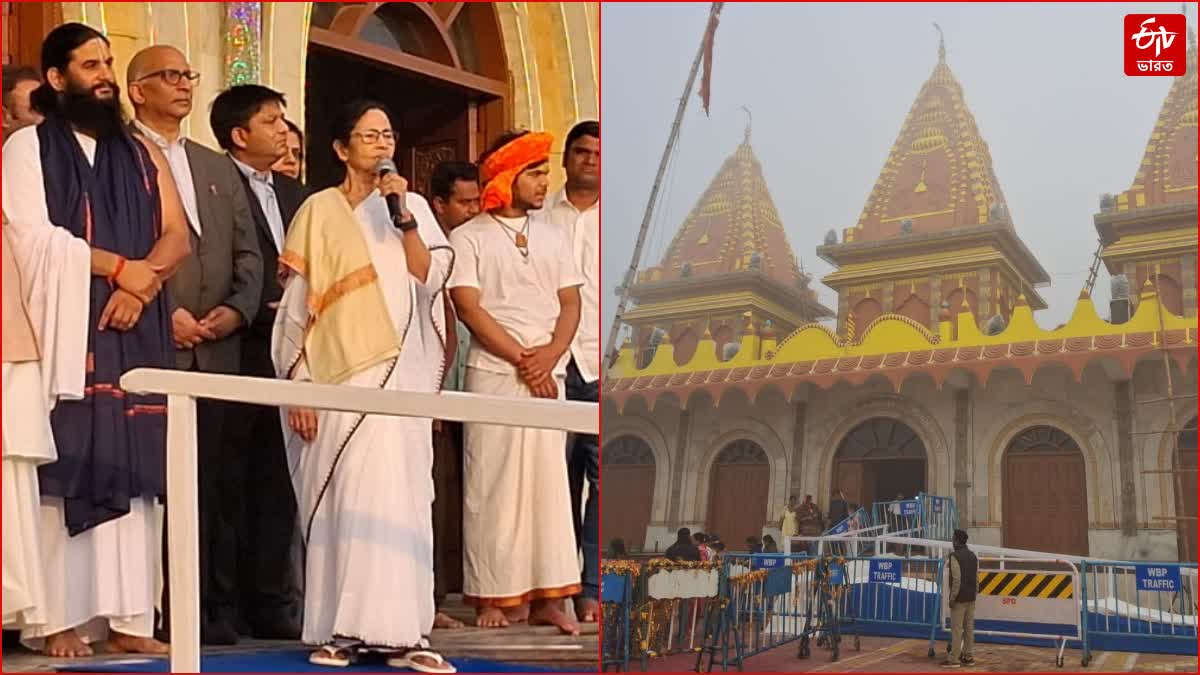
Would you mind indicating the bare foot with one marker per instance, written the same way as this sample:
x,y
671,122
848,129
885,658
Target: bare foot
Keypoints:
x,y
549,613
587,610
131,644
66,645
443,621
518,614
490,617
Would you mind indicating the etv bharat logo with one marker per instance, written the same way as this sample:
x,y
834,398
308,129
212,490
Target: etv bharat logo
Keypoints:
x,y
1154,44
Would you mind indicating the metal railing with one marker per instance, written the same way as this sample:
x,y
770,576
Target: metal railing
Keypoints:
x,y
1131,606
772,600
616,598
183,388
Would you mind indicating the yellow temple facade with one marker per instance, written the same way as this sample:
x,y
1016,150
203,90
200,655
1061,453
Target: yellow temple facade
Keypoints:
x,y
937,377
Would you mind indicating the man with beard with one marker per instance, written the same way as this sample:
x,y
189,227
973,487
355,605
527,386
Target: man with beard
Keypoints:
x,y
454,198
80,170
248,123
576,209
516,285
214,295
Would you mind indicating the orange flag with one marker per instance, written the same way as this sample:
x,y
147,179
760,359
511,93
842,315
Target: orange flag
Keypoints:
x,y
706,80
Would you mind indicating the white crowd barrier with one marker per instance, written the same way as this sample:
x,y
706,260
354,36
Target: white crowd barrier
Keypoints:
x,y
183,388
1046,600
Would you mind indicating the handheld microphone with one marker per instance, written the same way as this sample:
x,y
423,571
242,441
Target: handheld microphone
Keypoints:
x,y
383,167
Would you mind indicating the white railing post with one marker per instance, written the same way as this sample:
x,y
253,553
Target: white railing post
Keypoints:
x,y
183,534
183,504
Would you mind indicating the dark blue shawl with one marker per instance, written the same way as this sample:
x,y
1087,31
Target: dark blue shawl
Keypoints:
x,y
111,444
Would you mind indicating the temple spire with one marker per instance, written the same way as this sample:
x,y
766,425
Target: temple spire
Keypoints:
x,y
733,227
941,43
749,122
1191,32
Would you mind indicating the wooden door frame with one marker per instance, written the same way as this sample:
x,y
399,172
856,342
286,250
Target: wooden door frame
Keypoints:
x,y
34,20
490,110
415,65
837,462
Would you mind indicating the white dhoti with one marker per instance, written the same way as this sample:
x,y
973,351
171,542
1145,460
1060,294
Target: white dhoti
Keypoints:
x,y
518,540
101,579
27,444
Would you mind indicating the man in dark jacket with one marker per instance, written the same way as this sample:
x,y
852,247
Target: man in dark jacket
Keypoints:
x,y
964,568
683,548
248,122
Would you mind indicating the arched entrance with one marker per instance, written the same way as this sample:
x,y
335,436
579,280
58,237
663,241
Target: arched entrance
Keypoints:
x,y
439,67
1045,493
627,473
1185,501
737,495
879,460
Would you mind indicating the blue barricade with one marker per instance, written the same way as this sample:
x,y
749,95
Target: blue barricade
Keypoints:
x,y
775,599
1138,607
616,598
939,517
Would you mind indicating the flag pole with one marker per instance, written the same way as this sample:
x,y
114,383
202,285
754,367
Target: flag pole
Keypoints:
x,y
610,349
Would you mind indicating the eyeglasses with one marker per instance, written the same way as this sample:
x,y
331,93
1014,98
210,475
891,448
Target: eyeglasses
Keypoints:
x,y
372,136
172,76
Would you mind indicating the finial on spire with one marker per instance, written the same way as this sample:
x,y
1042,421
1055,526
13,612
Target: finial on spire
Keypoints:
x,y
941,43
749,121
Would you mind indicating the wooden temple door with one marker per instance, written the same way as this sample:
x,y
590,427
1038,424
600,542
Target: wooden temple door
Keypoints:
x,y
627,473
1045,493
738,493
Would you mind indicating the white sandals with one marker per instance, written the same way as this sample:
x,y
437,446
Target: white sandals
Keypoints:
x,y
337,654
406,660
342,653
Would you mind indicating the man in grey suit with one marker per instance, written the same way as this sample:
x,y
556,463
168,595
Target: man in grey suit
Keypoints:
x,y
214,294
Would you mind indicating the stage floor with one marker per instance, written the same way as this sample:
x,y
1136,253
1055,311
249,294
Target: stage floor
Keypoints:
x,y
534,645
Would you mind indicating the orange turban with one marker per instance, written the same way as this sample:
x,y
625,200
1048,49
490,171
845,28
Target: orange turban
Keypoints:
x,y
504,165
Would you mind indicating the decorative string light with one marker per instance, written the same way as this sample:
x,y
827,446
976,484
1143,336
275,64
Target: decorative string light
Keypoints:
x,y
243,42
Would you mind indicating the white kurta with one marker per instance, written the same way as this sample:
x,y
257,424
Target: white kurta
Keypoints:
x,y
518,539
369,531
104,578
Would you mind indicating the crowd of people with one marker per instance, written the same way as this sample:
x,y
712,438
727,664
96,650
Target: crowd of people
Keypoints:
x,y
128,244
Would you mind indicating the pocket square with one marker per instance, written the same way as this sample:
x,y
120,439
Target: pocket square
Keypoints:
x,y
212,189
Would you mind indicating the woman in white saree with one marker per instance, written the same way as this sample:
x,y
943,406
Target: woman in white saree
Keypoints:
x,y
363,306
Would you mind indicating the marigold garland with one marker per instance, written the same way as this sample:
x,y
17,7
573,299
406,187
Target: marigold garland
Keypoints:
x,y
657,564
630,567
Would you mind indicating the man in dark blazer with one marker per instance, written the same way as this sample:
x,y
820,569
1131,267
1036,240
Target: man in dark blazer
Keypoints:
x,y
249,123
214,294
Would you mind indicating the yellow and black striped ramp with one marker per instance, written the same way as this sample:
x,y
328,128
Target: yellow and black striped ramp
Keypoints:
x,y
1026,585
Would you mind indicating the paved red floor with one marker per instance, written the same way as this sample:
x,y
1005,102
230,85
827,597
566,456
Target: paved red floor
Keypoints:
x,y
892,655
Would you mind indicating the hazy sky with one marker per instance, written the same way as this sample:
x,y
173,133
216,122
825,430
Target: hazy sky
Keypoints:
x,y
829,86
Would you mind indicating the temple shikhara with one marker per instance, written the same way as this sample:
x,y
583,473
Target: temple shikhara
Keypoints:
x,y
730,395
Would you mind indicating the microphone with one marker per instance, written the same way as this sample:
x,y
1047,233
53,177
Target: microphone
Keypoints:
x,y
383,167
